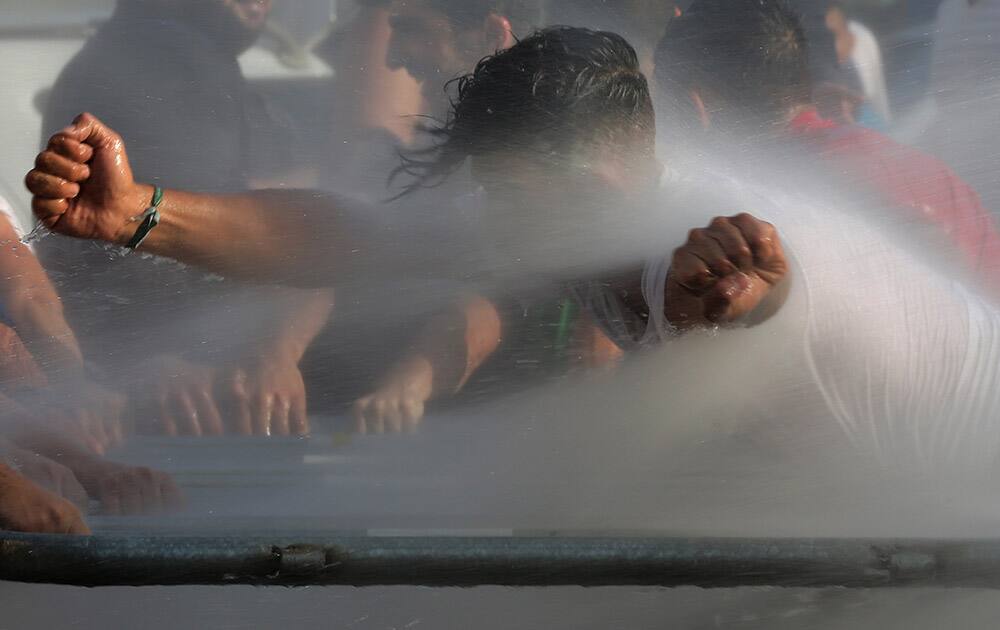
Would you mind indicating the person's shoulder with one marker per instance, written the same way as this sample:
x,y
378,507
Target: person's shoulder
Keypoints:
x,y
861,31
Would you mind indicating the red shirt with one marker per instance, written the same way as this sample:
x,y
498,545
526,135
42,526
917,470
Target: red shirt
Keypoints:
x,y
913,181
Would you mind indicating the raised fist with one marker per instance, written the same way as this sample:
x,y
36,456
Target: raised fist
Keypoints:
x,y
83,185
724,272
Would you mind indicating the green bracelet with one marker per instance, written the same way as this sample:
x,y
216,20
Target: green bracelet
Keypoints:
x,y
150,218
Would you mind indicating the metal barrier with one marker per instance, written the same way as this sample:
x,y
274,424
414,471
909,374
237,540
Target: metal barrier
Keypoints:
x,y
510,561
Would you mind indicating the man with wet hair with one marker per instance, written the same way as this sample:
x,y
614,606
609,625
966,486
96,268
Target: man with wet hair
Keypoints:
x,y
165,73
558,129
739,70
561,121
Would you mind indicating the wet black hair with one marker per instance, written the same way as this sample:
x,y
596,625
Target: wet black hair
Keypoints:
x,y
751,54
549,95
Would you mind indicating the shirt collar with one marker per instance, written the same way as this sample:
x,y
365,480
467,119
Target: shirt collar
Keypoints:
x,y
810,120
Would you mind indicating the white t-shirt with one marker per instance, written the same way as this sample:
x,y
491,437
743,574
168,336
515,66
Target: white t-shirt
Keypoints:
x,y
876,341
867,59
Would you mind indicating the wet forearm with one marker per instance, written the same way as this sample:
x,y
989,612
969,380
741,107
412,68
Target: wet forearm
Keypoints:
x,y
300,319
34,309
43,330
290,237
457,342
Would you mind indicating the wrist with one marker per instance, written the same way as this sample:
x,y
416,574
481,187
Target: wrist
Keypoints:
x,y
133,204
281,353
416,373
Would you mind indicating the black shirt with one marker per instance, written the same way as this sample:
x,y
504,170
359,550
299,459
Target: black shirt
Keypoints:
x,y
189,121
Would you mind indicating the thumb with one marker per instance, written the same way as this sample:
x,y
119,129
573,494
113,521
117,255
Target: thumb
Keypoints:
x,y
732,297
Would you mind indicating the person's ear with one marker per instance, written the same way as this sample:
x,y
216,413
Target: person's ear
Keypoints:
x,y
497,33
699,105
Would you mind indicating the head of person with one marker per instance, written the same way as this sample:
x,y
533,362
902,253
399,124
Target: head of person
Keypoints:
x,y
734,63
438,40
565,106
548,127
836,19
233,24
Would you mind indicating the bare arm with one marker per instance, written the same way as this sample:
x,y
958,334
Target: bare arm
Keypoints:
x,y
34,308
291,237
446,353
83,187
302,317
264,389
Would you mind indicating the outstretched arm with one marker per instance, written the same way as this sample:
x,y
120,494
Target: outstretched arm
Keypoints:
x,y
83,187
34,308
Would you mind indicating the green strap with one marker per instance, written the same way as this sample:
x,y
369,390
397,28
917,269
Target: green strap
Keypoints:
x,y
149,219
568,308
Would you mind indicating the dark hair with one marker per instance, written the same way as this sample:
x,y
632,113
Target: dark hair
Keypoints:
x,y
523,15
749,53
550,94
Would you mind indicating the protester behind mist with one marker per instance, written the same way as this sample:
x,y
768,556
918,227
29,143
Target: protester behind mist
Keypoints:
x,y
765,100
166,73
859,54
424,44
374,108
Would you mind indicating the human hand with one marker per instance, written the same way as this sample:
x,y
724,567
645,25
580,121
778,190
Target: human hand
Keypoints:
x,y
723,272
125,489
50,475
26,507
265,395
82,184
398,403
85,411
180,399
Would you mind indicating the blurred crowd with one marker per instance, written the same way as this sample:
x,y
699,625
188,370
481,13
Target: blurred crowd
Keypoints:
x,y
206,276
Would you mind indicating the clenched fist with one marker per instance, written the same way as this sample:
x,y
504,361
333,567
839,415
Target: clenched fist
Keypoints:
x,y
83,185
724,272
